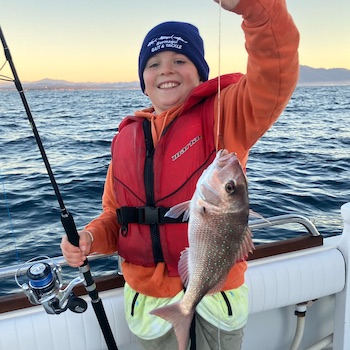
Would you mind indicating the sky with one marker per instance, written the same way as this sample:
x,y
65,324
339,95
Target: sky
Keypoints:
x,y
99,40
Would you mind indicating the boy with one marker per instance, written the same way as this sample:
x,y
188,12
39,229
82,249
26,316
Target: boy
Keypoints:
x,y
160,152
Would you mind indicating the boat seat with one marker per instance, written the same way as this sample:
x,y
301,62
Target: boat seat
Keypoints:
x,y
293,278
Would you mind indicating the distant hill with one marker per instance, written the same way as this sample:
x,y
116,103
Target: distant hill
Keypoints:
x,y
63,84
322,76
308,76
51,84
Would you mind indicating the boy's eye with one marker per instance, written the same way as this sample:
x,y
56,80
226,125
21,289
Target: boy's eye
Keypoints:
x,y
153,65
179,61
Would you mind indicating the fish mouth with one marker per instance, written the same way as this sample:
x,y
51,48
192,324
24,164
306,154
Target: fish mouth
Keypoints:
x,y
224,157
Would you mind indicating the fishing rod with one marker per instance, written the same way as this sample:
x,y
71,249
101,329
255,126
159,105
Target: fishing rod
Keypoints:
x,y
45,284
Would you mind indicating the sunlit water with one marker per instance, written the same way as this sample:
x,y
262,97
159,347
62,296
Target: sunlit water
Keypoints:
x,y
301,165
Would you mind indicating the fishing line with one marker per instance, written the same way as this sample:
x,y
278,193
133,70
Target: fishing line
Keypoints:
x,y
5,77
2,67
2,179
218,136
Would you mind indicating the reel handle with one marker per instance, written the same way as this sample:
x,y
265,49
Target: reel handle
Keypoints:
x,y
77,305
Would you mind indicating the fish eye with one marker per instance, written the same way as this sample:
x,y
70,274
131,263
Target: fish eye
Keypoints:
x,y
230,187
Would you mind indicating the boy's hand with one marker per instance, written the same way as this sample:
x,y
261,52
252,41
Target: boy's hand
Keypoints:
x,y
75,256
228,4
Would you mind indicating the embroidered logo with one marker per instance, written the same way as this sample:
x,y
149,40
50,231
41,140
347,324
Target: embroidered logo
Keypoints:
x,y
174,42
186,148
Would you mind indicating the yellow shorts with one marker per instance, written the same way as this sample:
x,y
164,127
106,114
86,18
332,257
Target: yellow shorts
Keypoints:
x,y
213,308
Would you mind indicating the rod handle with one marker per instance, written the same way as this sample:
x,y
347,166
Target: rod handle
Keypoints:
x,y
70,228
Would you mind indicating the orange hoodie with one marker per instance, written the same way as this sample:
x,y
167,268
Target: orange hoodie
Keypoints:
x,y
247,110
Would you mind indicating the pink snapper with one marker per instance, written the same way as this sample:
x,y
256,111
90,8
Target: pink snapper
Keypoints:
x,y
218,235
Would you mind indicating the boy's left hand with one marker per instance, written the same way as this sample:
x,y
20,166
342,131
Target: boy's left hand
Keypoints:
x,y
228,4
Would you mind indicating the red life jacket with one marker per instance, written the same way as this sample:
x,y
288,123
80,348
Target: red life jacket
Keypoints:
x,y
148,181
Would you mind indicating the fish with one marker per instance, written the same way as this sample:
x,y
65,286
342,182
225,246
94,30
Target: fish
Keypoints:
x,y
218,235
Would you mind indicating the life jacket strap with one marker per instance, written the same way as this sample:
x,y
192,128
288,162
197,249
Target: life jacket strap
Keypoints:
x,y
146,216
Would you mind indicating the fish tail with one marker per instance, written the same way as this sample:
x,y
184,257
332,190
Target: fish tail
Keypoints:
x,y
180,321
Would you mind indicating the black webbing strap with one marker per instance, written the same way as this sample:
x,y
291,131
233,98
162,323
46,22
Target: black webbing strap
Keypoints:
x,y
156,244
145,215
193,334
193,341
149,188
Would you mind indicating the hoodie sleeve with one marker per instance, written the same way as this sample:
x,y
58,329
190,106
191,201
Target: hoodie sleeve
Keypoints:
x,y
250,107
105,227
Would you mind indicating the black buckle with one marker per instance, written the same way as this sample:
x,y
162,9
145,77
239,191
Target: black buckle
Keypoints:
x,y
145,215
148,215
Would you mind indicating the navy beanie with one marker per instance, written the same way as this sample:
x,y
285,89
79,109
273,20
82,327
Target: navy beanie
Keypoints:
x,y
180,37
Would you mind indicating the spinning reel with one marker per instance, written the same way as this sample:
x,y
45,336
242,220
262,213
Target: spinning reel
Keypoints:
x,y
44,287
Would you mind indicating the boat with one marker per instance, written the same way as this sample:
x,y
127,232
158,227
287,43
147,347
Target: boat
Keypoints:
x,y
298,296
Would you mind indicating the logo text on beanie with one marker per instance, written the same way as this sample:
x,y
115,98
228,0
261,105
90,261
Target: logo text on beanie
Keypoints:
x,y
164,42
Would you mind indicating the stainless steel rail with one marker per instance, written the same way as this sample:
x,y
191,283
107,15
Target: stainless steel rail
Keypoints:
x,y
20,269
285,219
10,271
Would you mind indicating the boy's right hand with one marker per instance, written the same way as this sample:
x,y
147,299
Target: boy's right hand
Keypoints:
x,y
75,256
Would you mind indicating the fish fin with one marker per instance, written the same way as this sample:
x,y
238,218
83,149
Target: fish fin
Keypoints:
x,y
180,321
175,211
183,266
254,214
247,246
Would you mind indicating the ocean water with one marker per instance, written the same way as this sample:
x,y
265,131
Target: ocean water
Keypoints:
x,y
301,165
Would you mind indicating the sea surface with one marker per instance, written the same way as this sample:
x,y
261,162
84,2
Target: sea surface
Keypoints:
x,y
301,165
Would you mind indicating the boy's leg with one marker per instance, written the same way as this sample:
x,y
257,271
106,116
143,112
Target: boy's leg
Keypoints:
x,y
166,342
208,337
211,338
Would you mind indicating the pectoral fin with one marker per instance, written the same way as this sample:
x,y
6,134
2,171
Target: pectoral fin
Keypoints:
x,y
175,211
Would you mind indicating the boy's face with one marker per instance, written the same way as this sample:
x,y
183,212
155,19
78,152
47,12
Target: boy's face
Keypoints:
x,y
169,79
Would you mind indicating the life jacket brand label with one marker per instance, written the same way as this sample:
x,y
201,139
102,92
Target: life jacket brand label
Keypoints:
x,y
186,148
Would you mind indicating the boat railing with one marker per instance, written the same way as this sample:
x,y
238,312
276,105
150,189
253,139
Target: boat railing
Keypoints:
x,y
285,219
10,271
113,280
21,269
311,239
